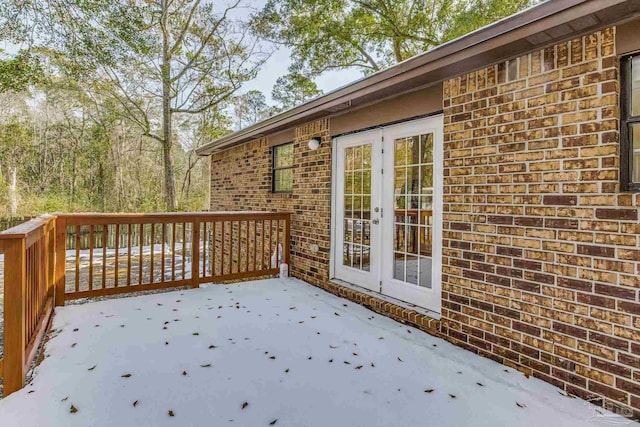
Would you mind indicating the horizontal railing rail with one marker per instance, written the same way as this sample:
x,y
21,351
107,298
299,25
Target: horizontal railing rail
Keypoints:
x,y
11,221
53,259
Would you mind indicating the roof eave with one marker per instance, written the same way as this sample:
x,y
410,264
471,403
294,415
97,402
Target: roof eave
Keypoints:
x,y
538,19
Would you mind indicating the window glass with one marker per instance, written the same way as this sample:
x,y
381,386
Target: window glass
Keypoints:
x,y
635,150
635,87
630,124
357,207
282,177
283,156
413,192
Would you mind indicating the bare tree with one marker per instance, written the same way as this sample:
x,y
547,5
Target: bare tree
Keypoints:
x,y
161,59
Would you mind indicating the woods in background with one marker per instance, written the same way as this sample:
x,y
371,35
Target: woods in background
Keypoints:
x,y
60,151
103,102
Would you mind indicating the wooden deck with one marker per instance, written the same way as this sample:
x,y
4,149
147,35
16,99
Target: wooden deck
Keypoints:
x,y
53,259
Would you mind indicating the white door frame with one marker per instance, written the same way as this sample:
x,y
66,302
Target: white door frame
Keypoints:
x,y
429,298
367,279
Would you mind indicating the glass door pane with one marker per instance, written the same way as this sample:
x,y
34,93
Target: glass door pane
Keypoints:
x,y
413,209
357,207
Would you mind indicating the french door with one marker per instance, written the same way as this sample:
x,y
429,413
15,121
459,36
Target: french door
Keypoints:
x,y
388,211
357,204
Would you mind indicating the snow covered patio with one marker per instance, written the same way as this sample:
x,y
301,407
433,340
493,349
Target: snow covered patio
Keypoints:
x,y
269,352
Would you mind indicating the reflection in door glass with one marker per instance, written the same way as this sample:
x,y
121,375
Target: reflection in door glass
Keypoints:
x,y
413,209
357,207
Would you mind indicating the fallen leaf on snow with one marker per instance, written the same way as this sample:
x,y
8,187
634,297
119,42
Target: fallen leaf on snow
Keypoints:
x,y
171,414
73,409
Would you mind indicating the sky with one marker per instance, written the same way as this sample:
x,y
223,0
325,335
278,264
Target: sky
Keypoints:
x,y
275,67
278,64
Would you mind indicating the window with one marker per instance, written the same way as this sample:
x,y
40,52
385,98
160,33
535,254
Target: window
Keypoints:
x,y
630,124
282,177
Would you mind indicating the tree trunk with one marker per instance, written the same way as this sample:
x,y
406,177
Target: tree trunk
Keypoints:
x,y
397,49
167,136
13,191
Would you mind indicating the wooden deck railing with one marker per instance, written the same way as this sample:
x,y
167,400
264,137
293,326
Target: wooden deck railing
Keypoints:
x,y
29,260
52,259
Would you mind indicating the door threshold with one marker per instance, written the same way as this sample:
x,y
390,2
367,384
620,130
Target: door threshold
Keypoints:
x,y
386,298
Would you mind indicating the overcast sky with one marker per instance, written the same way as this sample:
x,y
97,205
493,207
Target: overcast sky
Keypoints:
x,y
276,66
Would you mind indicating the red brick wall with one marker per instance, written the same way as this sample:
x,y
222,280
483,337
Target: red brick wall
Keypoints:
x,y
541,257
541,250
241,180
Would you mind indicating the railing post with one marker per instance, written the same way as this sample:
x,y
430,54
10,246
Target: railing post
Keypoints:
x,y
49,256
195,254
15,268
286,244
60,260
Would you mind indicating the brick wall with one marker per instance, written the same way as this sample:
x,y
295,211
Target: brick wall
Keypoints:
x,y
541,251
541,255
241,180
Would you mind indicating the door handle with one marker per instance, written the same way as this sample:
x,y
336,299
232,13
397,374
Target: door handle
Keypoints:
x,y
375,221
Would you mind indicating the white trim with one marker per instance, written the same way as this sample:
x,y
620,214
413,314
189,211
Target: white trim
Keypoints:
x,y
368,279
334,168
429,299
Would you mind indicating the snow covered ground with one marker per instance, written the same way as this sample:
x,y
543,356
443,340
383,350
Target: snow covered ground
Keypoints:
x,y
271,352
